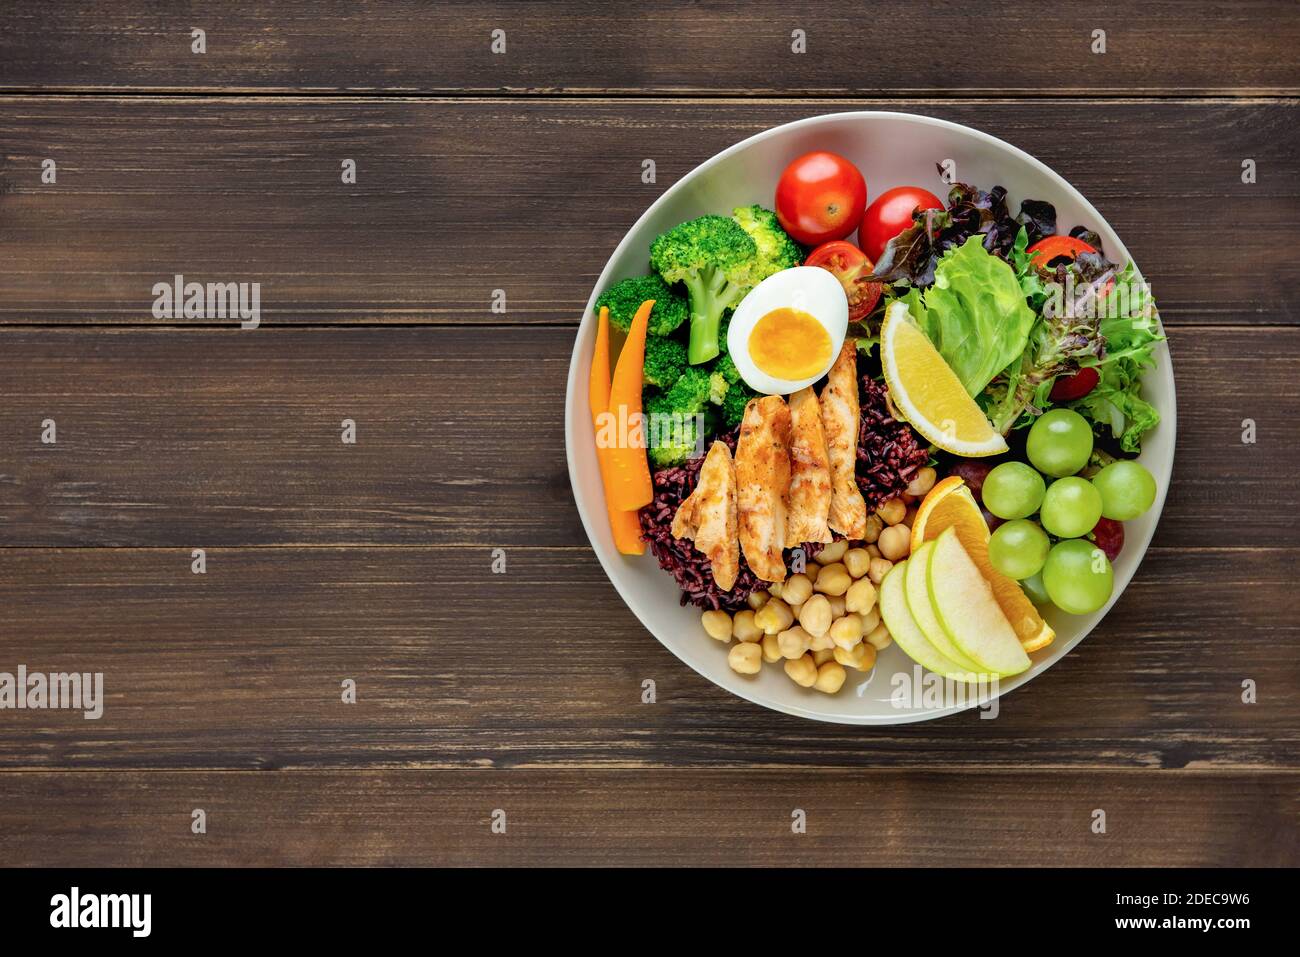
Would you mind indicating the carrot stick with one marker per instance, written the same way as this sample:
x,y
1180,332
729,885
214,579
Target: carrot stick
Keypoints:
x,y
631,471
624,524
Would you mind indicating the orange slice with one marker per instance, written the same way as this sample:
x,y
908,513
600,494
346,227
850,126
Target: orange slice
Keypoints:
x,y
950,504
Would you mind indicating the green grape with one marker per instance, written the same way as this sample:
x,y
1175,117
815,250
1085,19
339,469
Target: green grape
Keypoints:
x,y
1013,490
1071,507
1036,590
1059,443
1127,490
1018,548
1077,576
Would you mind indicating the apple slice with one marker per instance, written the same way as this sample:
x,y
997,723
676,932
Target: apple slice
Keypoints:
x,y
922,609
964,604
908,635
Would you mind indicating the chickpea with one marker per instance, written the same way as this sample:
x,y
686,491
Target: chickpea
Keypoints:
x,y
910,518
830,677
879,637
922,482
771,649
823,643
856,657
743,627
793,642
834,580
815,615
832,553
861,596
870,619
879,569
717,624
774,589
823,655
895,542
756,600
811,572
747,659
874,528
774,617
892,512
796,590
856,561
802,671
847,631
794,610
837,606
873,549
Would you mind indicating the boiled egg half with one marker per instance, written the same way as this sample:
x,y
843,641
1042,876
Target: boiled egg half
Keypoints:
x,y
786,333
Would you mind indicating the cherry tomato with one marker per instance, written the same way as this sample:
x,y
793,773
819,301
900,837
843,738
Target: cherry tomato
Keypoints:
x,y
889,214
820,197
1049,248
847,263
1075,386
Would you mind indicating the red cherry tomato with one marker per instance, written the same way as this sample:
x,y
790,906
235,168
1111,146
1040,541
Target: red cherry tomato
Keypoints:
x,y
889,214
1048,248
1075,386
820,197
847,263
1109,536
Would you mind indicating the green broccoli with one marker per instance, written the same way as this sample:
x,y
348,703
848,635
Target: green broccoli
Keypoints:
x,y
718,386
776,250
733,405
665,361
689,393
726,367
715,258
673,435
625,298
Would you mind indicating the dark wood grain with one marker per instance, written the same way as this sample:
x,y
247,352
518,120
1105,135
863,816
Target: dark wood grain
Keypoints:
x,y
458,667
188,437
404,46
660,818
457,198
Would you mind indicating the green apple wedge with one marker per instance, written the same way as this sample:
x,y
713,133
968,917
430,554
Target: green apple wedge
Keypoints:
x,y
964,604
922,609
908,635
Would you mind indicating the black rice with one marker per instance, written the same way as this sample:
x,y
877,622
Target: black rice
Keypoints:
x,y
888,451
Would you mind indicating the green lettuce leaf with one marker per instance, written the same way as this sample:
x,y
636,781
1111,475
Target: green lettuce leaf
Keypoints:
x,y
975,314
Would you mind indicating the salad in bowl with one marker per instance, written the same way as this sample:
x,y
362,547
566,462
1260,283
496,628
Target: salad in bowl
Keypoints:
x,y
882,435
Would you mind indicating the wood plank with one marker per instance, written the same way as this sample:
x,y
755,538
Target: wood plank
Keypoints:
x,y
593,817
888,46
205,437
456,199
457,667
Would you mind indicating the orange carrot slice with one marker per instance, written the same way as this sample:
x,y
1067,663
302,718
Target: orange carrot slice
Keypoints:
x,y
624,524
630,468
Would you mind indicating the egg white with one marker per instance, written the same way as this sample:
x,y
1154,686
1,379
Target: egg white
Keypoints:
x,y
809,289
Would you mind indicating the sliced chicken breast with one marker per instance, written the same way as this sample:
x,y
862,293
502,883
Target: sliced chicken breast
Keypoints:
x,y
841,421
708,516
809,500
762,482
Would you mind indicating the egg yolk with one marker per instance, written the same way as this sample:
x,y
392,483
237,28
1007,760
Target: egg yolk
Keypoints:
x,y
789,344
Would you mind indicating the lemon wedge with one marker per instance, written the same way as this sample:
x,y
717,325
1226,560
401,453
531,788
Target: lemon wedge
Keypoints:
x,y
928,393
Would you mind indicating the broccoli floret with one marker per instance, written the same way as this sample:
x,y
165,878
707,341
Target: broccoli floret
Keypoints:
x,y
689,393
625,298
776,250
665,361
726,367
733,406
673,435
718,386
715,258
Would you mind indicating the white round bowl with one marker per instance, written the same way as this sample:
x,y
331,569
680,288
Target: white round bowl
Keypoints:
x,y
891,149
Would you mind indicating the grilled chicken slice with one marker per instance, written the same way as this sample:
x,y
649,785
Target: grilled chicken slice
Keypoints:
x,y
708,516
809,501
762,482
841,422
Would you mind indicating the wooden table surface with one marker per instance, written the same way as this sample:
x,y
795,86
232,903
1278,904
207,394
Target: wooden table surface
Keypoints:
x,y
520,693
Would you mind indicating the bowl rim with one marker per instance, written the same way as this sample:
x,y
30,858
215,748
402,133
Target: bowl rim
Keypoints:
x,y
1168,418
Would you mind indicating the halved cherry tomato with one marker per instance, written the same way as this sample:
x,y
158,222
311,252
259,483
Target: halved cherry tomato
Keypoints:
x,y
846,262
1075,386
820,197
889,214
1049,248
